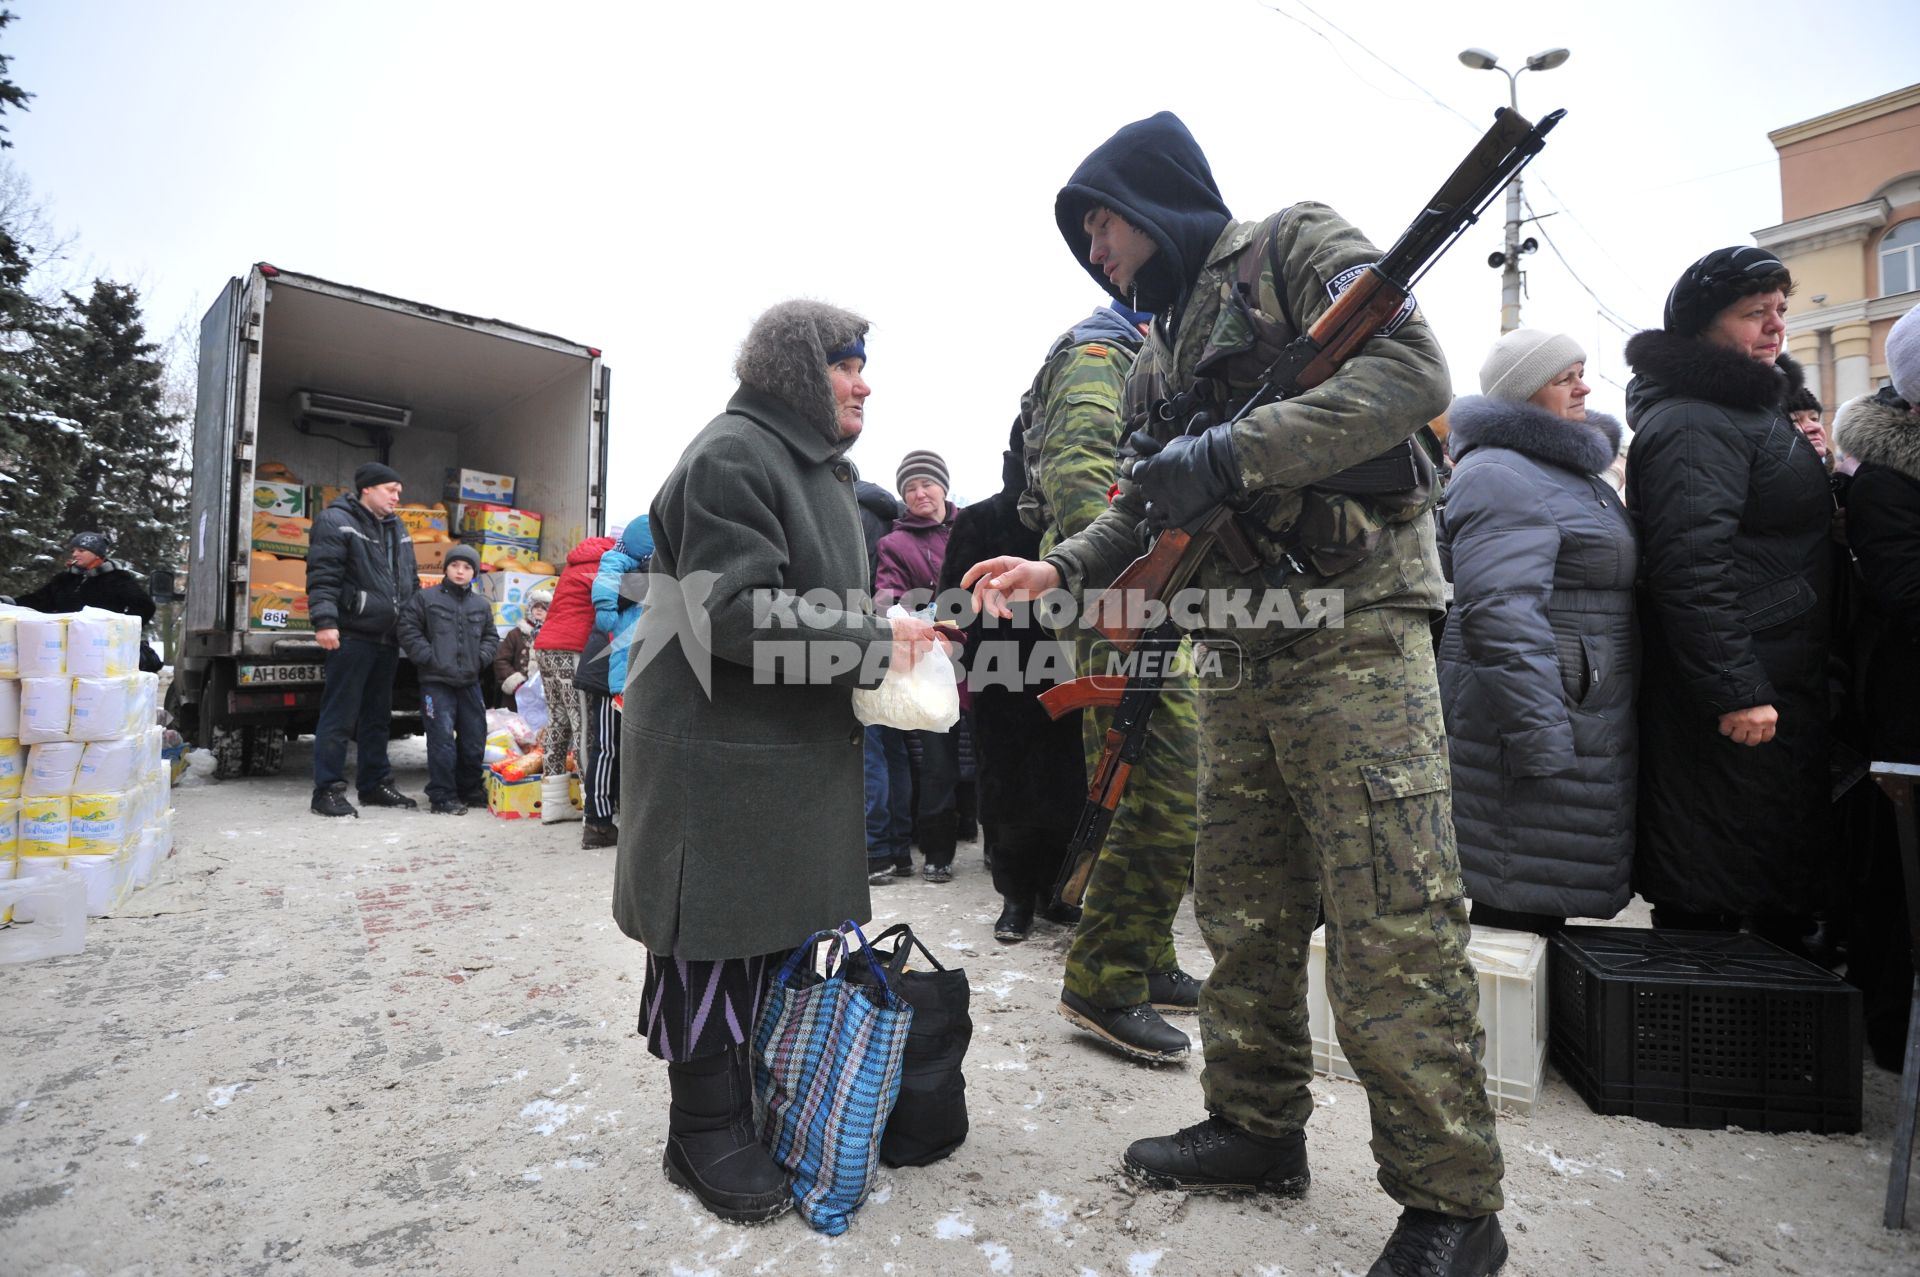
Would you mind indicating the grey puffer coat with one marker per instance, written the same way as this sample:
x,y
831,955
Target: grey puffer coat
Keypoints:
x,y
744,828
1539,661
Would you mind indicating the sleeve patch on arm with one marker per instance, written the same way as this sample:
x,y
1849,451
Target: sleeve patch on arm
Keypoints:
x,y
1344,280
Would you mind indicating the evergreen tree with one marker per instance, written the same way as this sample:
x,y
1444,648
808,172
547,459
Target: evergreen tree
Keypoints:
x,y
39,448
11,94
104,378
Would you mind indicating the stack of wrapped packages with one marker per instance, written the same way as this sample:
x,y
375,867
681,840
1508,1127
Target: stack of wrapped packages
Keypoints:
x,y
83,787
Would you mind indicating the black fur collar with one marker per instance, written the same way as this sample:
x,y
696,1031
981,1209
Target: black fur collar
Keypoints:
x,y
1879,432
1584,447
1697,369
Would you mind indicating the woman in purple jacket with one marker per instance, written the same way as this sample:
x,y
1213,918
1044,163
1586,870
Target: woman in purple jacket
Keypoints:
x,y
908,573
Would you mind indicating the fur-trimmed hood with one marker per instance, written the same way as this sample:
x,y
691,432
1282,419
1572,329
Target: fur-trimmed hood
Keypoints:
x,y
1874,431
1666,366
785,357
1584,447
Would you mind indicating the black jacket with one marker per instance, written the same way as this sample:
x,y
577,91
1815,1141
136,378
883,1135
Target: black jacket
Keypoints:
x,y
103,586
878,509
1732,508
1883,530
447,632
1538,664
360,571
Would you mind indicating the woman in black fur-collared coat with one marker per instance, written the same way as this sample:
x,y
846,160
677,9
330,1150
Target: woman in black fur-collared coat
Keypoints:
x,y
1732,509
1538,663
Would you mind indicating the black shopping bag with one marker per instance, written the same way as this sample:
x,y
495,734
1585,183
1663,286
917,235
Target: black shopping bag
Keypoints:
x,y
929,1120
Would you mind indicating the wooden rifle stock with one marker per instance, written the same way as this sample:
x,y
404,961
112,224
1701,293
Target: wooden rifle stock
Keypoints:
x,y
1365,308
1095,691
1125,610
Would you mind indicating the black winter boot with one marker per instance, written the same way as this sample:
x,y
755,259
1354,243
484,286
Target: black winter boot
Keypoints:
x,y
938,837
711,1148
1215,1156
1428,1244
332,801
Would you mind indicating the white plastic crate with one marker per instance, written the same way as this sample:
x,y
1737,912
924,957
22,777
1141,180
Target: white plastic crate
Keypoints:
x,y
1512,966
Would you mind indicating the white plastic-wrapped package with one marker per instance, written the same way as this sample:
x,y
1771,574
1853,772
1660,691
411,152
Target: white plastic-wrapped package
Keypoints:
x,y
101,824
9,707
46,709
109,765
9,642
143,707
9,830
153,764
42,642
925,698
44,823
51,768
13,767
100,708
102,644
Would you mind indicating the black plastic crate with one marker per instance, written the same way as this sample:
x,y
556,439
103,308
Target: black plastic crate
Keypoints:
x,y
1688,1028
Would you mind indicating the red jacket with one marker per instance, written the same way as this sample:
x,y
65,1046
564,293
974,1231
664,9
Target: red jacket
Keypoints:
x,y
570,617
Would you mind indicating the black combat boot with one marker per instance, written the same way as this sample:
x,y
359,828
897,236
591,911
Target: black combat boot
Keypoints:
x,y
1137,1030
1015,920
1173,991
1427,1244
711,1148
594,836
452,807
332,801
385,795
1218,1157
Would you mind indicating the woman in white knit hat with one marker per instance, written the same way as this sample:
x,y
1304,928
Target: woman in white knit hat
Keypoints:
x,y
1537,665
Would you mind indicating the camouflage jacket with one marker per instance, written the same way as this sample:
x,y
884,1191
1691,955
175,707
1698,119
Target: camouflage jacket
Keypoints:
x,y
1070,426
1222,338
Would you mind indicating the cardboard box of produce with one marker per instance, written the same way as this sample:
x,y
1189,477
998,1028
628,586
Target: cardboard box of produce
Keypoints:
x,y
478,485
513,799
430,579
280,498
282,534
288,575
272,609
321,495
507,615
511,587
422,518
430,556
507,557
500,521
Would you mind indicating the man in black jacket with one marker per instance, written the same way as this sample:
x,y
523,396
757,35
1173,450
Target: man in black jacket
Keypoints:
x,y
360,571
448,634
91,580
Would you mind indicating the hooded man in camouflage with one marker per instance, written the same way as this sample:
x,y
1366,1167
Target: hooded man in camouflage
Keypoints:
x,y
1323,757
1121,972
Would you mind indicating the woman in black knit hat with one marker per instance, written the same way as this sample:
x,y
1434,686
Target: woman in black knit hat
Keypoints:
x,y
1731,506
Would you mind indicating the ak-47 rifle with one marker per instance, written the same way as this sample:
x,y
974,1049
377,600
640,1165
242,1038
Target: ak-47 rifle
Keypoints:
x,y
1367,306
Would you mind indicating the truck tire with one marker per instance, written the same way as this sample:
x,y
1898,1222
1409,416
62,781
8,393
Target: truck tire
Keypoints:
x,y
229,746
269,746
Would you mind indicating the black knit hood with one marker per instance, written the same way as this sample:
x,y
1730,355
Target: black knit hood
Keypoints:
x,y
1584,447
1154,175
1666,365
785,357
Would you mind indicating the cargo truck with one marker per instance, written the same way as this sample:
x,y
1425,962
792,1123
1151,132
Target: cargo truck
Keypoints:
x,y
301,380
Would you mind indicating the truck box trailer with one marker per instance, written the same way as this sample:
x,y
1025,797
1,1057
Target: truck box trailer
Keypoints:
x,y
308,378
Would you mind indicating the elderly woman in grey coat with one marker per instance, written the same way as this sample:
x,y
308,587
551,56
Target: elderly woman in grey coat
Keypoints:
x,y
740,752
1537,666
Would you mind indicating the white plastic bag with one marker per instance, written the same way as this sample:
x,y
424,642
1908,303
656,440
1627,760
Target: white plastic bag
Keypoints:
x,y
925,698
531,700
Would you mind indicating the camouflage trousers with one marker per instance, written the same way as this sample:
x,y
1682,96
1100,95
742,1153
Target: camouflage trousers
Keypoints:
x,y
1126,923
1323,781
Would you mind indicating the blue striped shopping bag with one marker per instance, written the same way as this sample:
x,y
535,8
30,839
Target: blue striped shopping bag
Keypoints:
x,y
827,1062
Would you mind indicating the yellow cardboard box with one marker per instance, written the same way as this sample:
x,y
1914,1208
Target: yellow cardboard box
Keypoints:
x,y
282,534
500,521
288,575
269,608
513,799
478,485
280,498
422,518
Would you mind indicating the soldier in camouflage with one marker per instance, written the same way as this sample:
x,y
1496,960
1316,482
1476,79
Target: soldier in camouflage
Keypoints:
x,y
1323,776
1122,972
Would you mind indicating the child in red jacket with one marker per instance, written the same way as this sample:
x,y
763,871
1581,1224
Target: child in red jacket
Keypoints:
x,y
556,649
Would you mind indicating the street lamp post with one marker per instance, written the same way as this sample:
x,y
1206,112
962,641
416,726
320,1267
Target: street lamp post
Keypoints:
x,y
1509,260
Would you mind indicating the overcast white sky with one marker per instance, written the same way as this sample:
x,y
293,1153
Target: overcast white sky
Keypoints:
x,y
646,179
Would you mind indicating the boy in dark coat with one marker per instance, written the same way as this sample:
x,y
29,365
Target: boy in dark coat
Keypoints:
x,y
448,634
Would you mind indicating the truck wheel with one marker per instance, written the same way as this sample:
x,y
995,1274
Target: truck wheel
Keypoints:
x,y
269,748
229,753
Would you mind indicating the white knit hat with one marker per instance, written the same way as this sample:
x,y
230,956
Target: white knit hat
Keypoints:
x,y
1903,356
1525,360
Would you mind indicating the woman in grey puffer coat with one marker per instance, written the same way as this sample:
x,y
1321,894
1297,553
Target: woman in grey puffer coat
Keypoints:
x,y
1538,663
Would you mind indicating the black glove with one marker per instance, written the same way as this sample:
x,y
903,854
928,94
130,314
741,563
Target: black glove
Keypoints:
x,y
1187,477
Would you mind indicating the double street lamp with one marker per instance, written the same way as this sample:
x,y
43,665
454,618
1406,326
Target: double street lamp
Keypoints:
x,y
1508,261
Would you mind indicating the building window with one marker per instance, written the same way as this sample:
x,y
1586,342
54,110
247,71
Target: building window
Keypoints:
x,y
1900,259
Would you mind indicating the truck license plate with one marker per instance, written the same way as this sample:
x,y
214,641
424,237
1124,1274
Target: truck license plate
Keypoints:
x,y
250,674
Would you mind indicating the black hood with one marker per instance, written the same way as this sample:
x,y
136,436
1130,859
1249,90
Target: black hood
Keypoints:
x,y
1153,174
877,499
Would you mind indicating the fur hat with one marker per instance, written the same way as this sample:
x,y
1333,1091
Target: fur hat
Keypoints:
x,y
1903,356
1524,360
785,357
920,464
464,554
1716,282
1802,400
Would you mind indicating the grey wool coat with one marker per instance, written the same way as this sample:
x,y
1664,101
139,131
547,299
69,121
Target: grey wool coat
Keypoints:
x,y
743,822
1538,663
